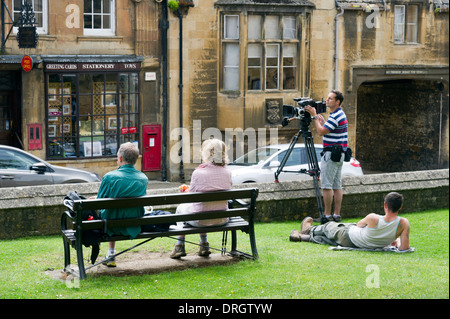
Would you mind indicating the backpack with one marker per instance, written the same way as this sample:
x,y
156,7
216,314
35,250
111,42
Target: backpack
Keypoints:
x,y
89,237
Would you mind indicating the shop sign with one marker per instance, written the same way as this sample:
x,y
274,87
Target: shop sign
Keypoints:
x,y
100,66
27,63
403,72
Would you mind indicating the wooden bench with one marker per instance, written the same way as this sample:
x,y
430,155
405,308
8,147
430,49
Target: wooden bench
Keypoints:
x,y
240,218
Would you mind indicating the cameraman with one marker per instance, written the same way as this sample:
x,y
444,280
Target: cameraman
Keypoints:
x,y
334,132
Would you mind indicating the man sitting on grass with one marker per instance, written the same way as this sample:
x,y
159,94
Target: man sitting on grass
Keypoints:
x,y
372,232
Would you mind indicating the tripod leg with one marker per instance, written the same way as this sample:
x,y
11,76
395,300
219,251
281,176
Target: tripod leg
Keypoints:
x,y
286,156
313,165
314,169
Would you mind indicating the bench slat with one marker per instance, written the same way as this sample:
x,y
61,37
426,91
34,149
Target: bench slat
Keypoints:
x,y
236,223
159,200
161,219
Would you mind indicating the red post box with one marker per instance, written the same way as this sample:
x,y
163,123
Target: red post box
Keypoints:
x,y
151,152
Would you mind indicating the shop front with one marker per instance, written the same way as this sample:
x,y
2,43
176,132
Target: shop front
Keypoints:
x,y
91,106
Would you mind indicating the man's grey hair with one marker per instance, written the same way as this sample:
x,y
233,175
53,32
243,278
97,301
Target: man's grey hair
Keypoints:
x,y
129,153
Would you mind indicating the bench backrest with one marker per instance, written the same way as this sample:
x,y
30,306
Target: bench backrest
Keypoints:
x,y
163,200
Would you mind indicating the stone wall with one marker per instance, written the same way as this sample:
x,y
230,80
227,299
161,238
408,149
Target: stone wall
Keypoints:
x,y
36,210
422,190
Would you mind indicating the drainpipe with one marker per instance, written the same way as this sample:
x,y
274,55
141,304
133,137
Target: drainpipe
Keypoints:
x,y
441,89
336,41
164,25
180,86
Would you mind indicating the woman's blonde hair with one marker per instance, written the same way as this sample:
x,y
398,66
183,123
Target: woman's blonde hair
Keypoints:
x,y
214,151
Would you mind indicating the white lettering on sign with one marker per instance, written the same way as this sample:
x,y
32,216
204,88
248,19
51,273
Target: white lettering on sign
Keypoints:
x,y
97,66
129,66
61,66
406,72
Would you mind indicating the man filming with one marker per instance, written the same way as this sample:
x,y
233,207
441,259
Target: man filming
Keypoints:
x,y
334,132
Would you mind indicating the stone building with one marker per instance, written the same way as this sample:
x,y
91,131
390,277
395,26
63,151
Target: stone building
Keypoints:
x,y
110,71
83,96
243,59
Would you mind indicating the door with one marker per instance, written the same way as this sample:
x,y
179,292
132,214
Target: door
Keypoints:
x,y
10,109
6,124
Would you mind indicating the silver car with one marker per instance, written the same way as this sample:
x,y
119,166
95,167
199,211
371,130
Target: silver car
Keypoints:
x,y
19,168
260,165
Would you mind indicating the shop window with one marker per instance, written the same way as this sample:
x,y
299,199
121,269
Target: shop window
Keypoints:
x,y
99,17
40,9
91,114
406,21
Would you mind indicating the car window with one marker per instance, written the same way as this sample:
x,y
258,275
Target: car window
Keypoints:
x,y
294,159
256,156
304,157
298,156
14,160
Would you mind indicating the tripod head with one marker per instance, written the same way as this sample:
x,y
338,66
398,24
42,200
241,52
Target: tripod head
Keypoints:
x,y
304,125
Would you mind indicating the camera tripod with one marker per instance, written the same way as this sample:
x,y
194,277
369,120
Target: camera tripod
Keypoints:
x,y
313,166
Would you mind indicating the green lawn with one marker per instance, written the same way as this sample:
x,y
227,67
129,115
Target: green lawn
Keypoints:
x,y
284,270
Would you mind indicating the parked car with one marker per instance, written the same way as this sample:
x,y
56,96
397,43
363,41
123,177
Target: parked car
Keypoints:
x,y
260,165
19,168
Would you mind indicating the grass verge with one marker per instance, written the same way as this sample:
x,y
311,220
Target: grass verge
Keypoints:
x,y
285,269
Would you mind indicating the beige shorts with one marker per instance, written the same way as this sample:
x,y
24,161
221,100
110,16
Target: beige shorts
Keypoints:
x,y
331,172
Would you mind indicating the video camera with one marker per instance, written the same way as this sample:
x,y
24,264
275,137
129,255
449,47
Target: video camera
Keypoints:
x,y
300,112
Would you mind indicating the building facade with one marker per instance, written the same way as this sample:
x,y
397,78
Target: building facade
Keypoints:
x,y
169,74
244,59
83,96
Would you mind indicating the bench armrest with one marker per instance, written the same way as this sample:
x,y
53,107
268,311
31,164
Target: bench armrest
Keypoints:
x,y
66,215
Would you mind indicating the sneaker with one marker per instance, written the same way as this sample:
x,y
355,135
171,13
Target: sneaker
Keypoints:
x,y
306,225
204,250
337,218
326,218
178,252
297,236
110,262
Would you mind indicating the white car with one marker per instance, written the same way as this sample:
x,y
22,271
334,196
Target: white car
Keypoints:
x,y
260,165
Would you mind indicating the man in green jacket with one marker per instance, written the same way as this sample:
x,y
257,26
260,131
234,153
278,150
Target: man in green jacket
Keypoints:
x,y
126,181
